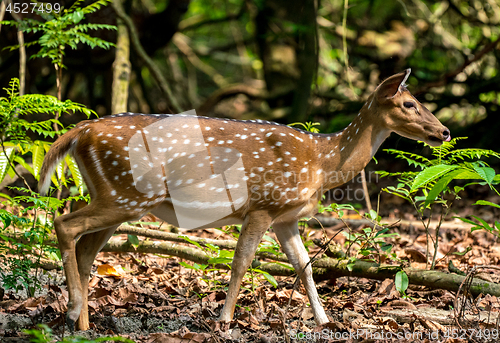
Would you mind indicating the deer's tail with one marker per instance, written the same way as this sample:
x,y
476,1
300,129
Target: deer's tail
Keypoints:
x,y
60,148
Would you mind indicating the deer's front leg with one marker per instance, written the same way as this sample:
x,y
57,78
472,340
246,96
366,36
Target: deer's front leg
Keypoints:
x,y
253,228
87,248
291,243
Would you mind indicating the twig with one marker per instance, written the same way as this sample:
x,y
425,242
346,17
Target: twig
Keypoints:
x,y
180,41
451,75
324,268
180,238
436,242
183,26
22,62
344,47
365,190
466,283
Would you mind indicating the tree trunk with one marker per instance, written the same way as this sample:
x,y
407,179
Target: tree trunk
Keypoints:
x,y
286,37
121,70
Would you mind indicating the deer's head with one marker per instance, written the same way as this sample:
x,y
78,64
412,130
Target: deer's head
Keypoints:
x,y
400,112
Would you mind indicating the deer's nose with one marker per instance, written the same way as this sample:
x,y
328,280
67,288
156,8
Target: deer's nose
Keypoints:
x,y
446,135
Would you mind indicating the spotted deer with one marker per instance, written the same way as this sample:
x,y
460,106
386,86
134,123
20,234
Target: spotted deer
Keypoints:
x,y
207,172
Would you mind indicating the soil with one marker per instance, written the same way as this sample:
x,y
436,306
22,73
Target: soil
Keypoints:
x,y
150,298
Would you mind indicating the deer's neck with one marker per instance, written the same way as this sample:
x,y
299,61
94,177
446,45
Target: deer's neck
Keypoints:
x,y
347,152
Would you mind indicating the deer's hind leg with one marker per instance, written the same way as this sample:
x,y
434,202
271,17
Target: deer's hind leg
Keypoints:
x,y
94,218
87,248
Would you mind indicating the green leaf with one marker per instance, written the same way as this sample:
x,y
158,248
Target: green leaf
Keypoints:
x,y
467,174
6,218
185,265
226,253
219,260
486,203
483,222
75,172
268,277
465,220
373,215
441,185
133,239
381,232
22,162
431,174
189,240
386,248
77,17
401,281
269,239
486,173
212,247
60,172
38,154
5,157
463,252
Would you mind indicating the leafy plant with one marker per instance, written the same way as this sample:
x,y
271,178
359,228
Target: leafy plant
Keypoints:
x,y
44,335
428,188
23,238
62,29
220,256
308,126
401,282
14,130
371,240
481,224
24,231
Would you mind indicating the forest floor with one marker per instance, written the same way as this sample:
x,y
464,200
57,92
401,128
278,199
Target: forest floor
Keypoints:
x,y
152,298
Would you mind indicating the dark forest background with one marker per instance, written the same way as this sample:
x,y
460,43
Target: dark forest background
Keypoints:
x,y
288,61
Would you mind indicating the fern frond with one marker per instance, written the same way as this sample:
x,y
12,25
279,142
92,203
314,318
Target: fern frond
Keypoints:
x,y
411,158
90,26
445,148
74,7
469,153
95,6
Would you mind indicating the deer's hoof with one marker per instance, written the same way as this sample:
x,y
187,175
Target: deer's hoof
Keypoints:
x,y
71,324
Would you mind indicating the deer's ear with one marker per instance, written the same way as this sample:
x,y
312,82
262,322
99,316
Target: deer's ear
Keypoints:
x,y
391,86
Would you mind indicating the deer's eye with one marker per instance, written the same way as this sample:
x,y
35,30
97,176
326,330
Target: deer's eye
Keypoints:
x,y
409,104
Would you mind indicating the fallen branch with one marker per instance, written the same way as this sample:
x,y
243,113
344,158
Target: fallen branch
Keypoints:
x,y
332,221
323,269
173,237
180,238
184,252
328,268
